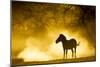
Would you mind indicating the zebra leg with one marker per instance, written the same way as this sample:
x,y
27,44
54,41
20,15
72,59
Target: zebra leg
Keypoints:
x,y
72,52
75,52
64,54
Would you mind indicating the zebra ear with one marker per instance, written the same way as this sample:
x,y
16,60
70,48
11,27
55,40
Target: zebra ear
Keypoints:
x,y
61,34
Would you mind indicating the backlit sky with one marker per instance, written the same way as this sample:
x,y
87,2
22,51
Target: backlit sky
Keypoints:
x,y
36,26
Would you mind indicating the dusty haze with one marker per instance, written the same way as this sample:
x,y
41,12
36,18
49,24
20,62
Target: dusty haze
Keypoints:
x,y
36,26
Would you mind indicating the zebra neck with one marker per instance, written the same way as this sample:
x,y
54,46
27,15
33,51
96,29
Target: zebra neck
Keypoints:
x,y
64,41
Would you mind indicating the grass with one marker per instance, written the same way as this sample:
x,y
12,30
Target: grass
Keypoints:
x,y
20,62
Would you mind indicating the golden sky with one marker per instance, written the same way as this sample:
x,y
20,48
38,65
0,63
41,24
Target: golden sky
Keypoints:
x,y
36,26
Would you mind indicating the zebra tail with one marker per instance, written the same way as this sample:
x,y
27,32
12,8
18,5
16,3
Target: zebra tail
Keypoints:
x,y
78,43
